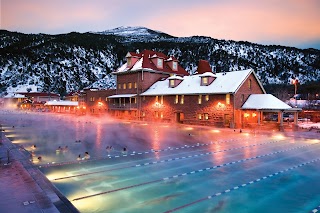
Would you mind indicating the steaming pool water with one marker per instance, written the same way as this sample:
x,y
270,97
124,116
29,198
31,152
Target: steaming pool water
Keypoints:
x,y
166,167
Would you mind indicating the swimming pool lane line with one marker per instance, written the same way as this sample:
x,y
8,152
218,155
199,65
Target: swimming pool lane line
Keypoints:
x,y
317,209
132,154
163,161
241,186
190,173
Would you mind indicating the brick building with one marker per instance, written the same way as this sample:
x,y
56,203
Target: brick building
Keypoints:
x,y
154,87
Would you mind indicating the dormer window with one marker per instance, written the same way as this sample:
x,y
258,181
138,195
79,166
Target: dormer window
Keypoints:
x,y
174,65
207,78
204,80
174,81
160,63
171,82
128,62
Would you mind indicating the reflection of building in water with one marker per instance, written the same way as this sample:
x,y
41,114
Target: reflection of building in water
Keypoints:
x,y
155,142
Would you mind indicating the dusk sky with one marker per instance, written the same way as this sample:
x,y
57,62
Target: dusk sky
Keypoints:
x,y
283,22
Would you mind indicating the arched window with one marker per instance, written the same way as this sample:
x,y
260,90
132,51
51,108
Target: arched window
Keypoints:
x,y
249,84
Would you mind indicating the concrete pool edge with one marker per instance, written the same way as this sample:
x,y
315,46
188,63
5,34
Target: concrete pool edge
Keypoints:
x,y
34,187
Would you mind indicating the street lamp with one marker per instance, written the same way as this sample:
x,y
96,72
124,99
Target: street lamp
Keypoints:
x,y
295,83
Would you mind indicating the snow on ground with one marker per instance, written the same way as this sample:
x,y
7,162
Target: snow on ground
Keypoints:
x,y
308,125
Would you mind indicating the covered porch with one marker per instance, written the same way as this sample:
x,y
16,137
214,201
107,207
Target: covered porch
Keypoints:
x,y
257,105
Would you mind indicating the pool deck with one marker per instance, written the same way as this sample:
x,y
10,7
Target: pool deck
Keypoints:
x,y
24,189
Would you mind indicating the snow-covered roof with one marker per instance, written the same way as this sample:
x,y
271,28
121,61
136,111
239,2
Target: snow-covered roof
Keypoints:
x,y
122,96
224,83
265,101
62,103
175,77
14,95
146,63
208,74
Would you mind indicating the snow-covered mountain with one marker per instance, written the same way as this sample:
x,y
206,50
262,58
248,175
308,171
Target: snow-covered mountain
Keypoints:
x,y
73,61
131,34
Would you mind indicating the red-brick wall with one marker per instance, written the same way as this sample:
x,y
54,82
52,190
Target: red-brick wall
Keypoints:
x,y
144,81
92,106
216,108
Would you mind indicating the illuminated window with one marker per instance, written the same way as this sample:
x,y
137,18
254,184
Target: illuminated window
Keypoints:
x,y
119,86
124,86
156,114
128,62
99,99
171,82
91,98
227,98
135,85
106,99
182,99
129,85
175,65
161,114
199,99
206,116
204,80
249,84
207,97
135,100
143,114
200,116
161,99
160,63
157,99
176,99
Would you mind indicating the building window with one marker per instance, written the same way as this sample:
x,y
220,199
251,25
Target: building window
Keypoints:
x,y
129,85
249,84
135,85
199,99
242,97
161,99
157,99
227,98
91,98
161,114
156,114
106,99
144,98
119,86
207,97
143,114
171,82
135,100
176,100
99,99
206,116
160,63
128,62
182,99
204,80
175,65
124,86
200,116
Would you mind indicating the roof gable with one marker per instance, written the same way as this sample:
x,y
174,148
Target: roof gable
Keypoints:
x,y
223,84
145,63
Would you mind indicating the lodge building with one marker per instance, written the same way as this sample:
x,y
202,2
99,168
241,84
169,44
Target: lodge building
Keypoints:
x,y
154,87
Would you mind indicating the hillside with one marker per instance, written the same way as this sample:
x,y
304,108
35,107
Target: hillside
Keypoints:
x,y
73,61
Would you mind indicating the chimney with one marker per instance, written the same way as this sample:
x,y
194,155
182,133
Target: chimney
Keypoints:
x,y
203,67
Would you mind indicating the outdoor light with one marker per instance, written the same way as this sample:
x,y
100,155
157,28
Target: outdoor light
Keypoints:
x,y
254,114
246,115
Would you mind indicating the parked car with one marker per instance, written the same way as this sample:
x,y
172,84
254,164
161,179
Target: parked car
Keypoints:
x,y
288,117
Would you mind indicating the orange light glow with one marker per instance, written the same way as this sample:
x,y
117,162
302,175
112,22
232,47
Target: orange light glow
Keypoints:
x,y
254,114
246,115
100,103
